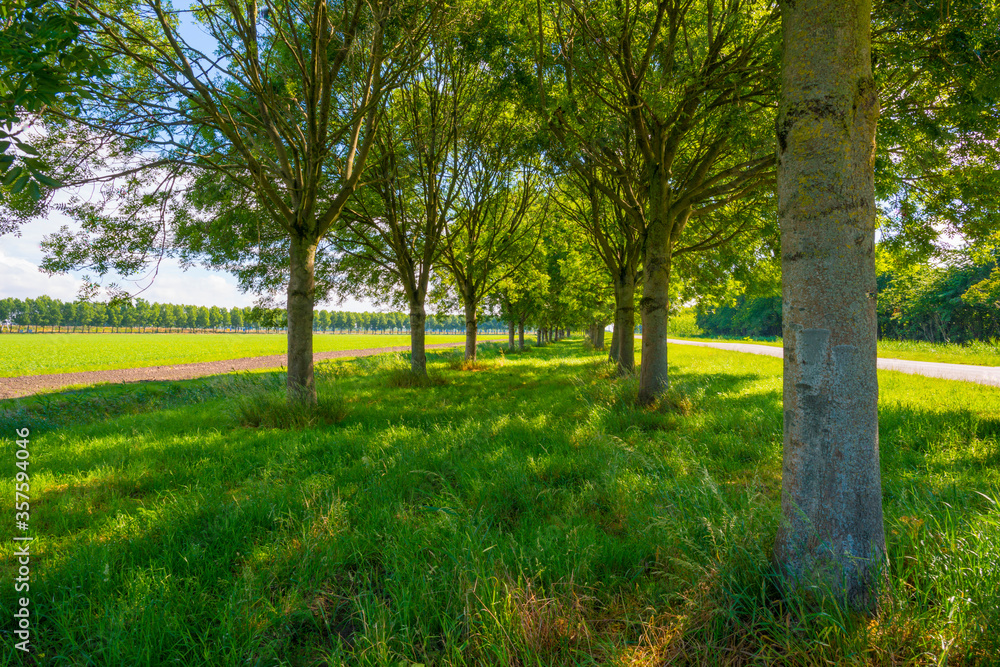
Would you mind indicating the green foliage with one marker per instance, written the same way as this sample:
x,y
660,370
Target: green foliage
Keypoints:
x,y
43,66
747,316
940,303
684,324
937,161
930,301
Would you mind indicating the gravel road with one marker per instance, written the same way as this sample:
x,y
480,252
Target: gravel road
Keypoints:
x,y
964,372
15,387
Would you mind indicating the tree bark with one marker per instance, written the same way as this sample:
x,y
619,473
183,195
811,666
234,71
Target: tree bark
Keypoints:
x,y
520,334
653,379
615,341
301,300
470,330
623,347
832,533
510,333
418,353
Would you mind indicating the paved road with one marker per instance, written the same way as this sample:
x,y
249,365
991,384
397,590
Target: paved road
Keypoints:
x,y
965,372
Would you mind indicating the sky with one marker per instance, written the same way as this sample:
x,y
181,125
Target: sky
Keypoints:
x,y
21,278
21,256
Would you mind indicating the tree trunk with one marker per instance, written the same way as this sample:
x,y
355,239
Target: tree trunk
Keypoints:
x,y
470,330
653,379
539,336
600,334
511,335
301,300
623,347
520,334
418,354
832,533
615,342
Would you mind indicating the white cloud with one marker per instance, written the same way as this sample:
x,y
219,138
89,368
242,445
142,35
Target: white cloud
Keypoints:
x,y
21,279
20,257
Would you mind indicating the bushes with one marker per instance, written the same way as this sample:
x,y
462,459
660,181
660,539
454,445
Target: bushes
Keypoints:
x,y
757,317
955,303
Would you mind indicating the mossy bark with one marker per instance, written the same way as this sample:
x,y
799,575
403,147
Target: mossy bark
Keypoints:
x,y
301,384
470,330
615,342
418,327
832,533
623,346
653,379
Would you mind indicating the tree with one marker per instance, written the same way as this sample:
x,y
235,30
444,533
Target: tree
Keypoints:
x,y
937,166
43,64
689,84
84,313
497,221
394,229
832,532
236,318
113,314
274,130
214,317
616,239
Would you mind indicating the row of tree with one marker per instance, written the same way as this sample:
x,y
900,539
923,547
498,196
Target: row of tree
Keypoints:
x,y
140,314
563,160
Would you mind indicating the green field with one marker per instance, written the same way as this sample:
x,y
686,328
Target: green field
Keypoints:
x,y
524,514
27,354
975,353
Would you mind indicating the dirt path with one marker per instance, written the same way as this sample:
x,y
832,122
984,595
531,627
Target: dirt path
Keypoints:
x,y
963,372
32,384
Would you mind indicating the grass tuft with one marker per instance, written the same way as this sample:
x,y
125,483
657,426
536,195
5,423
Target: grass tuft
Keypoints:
x,y
462,364
260,401
404,378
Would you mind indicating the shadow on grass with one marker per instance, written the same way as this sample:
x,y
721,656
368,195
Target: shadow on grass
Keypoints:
x,y
521,514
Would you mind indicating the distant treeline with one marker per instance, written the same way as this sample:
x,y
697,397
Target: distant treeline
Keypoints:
x,y
140,315
958,303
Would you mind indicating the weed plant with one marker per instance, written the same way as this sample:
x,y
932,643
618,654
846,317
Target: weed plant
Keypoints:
x,y
528,514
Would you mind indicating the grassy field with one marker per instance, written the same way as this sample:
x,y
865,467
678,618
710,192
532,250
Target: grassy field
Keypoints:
x,y
67,353
976,353
523,514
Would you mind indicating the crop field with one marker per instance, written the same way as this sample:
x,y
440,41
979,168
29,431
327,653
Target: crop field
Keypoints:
x,y
66,353
525,512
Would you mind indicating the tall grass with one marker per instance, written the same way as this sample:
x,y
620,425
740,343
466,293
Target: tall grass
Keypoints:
x,y
527,514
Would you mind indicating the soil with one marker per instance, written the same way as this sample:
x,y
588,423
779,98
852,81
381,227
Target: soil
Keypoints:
x,y
15,387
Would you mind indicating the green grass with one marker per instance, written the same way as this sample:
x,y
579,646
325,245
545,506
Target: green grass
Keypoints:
x,y
526,513
976,353
67,353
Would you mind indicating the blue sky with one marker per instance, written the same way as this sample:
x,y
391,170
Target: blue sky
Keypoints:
x,y
21,256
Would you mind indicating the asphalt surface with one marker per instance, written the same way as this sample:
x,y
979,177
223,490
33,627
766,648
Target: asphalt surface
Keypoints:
x,y
964,372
